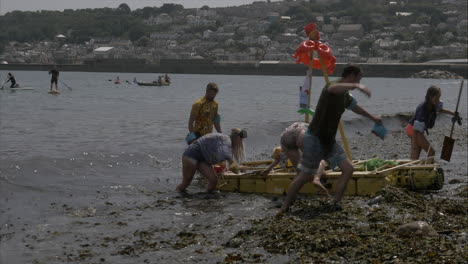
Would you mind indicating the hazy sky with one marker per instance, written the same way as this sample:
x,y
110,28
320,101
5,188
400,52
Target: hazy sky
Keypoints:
x,y
32,5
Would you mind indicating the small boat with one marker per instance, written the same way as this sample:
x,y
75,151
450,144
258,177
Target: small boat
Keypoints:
x,y
152,84
411,174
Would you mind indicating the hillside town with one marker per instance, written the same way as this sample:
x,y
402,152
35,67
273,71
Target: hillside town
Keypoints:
x,y
266,31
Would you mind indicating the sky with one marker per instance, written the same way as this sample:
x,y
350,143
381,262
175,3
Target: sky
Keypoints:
x,y
34,5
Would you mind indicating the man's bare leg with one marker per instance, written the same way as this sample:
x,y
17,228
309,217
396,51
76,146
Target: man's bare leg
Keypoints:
x,y
294,188
346,172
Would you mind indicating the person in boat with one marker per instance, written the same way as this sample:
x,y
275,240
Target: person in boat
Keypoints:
x,y
11,79
54,78
167,79
204,115
135,80
209,150
117,80
424,119
158,81
162,80
319,139
290,152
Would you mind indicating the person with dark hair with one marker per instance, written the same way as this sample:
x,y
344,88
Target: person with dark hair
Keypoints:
x,y
209,150
204,115
11,79
319,140
54,78
424,119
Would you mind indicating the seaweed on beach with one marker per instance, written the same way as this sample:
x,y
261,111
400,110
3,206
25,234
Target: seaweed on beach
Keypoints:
x,y
368,233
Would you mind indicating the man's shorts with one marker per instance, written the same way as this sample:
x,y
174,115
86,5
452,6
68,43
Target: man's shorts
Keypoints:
x,y
54,80
194,153
314,152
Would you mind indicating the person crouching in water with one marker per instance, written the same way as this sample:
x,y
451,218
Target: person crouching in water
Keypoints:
x,y
423,120
209,150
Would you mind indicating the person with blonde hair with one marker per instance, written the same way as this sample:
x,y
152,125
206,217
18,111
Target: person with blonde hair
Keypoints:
x,y
424,119
209,150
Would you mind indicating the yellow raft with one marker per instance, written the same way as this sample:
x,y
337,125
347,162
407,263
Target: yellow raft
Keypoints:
x,y
411,174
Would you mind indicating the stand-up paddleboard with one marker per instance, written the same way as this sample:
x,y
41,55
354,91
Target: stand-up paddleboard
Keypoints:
x,y
21,88
54,92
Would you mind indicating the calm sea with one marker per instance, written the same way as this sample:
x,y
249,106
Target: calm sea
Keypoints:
x,y
100,141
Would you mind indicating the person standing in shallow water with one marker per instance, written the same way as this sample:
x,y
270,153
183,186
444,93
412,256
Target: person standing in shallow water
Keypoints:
x,y
319,140
11,79
209,150
54,78
424,119
204,115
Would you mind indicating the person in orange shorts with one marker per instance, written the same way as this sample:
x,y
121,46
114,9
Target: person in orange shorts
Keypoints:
x,y
424,119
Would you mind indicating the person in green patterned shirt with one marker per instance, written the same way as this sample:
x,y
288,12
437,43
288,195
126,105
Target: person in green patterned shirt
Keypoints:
x,y
204,115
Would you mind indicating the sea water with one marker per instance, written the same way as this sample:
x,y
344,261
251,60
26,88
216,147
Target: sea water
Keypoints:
x,y
79,163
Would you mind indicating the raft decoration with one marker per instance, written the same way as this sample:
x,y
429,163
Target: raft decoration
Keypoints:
x,y
304,111
369,177
304,49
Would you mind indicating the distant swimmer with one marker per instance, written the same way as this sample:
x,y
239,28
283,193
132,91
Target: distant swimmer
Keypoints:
x,y
54,79
11,79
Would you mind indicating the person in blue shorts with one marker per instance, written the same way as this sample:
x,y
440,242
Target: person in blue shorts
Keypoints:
x,y
209,150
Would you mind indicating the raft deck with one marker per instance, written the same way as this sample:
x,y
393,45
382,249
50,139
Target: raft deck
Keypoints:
x,y
411,174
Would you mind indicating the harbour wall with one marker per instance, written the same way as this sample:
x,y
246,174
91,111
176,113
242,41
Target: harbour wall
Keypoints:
x,y
388,70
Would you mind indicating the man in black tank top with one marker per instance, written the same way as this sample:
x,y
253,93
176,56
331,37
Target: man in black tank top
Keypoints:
x,y
319,140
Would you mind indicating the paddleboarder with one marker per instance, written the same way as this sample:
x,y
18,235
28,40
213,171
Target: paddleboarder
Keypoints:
x,y
54,79
11,79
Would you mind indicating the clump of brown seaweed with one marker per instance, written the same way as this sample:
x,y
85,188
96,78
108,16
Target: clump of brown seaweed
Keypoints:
x,y
367,231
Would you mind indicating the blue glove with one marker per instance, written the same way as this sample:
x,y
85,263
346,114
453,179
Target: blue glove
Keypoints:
x,y
379,130
190,137
457,118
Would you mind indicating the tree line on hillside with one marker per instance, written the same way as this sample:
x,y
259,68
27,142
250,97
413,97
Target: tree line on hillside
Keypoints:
x,y
82,24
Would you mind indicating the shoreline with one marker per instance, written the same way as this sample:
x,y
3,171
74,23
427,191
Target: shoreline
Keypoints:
x,y
279,68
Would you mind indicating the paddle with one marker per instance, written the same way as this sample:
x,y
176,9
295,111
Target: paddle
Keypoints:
x,y
68,87
3,85
447,148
